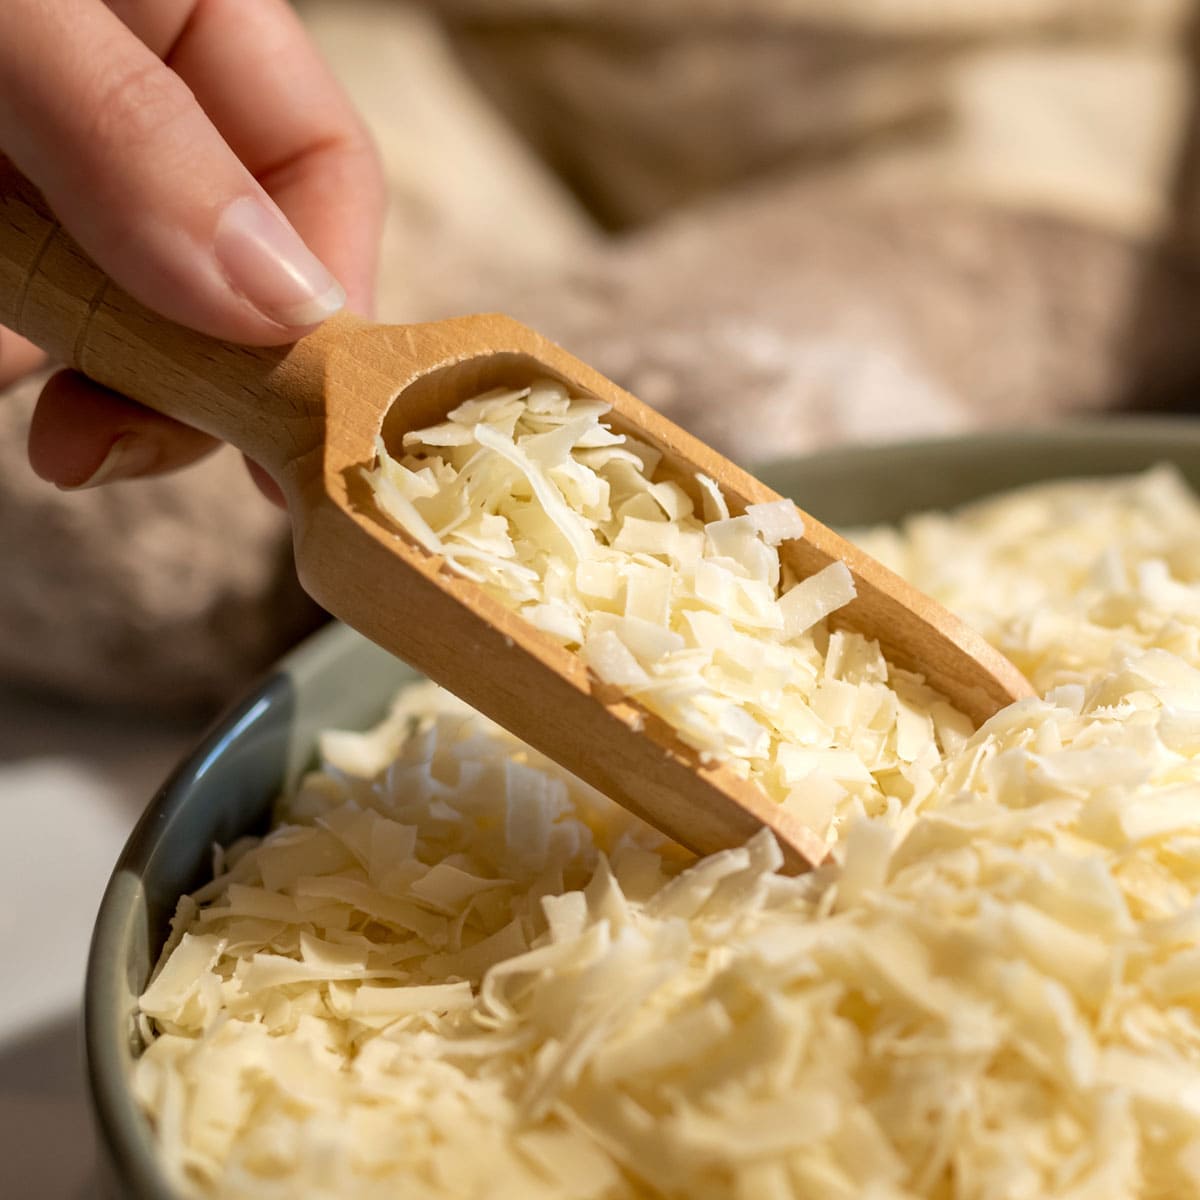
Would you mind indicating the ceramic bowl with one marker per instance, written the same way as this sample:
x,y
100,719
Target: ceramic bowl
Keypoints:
x,y
226,787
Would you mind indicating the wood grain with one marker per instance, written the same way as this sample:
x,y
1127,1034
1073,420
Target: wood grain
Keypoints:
x,y
310,414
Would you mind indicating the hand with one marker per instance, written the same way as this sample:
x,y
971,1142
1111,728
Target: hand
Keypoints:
x,y
171,137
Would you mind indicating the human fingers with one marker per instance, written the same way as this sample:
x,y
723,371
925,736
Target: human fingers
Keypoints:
x,y
83,435
254,71
140,176
257,74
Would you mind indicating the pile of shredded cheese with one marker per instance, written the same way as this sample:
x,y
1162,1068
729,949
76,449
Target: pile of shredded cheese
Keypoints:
x,y
529,493
1075,572
451,970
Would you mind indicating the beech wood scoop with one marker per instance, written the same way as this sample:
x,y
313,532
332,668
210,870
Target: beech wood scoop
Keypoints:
x,y
310,413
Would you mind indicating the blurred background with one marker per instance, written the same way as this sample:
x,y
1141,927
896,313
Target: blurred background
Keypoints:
x,y
788,223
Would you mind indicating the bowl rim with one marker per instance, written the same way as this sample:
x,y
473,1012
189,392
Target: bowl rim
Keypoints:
x,y
1116,431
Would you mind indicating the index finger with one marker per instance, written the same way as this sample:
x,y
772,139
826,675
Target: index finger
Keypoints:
x,y
264,85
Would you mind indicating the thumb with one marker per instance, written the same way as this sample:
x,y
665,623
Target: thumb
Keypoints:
x,y
143,181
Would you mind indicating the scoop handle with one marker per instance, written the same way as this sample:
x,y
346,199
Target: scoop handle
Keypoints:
x,y
266,401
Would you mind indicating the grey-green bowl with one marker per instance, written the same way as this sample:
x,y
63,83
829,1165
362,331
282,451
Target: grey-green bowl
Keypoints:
x,y
226,787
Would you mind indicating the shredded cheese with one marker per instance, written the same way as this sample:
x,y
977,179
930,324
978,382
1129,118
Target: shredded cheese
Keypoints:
x,y
451,970
576,527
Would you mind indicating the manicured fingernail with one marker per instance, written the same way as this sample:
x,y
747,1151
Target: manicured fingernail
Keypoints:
x,y
265,260
128,457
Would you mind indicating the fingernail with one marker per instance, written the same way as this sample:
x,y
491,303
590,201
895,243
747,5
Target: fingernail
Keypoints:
x,y
127,458
264,259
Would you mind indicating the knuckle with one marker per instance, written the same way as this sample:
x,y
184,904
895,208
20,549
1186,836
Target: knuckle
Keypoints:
x,y
140,106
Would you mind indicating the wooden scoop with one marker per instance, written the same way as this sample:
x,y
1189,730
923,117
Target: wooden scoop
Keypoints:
x,y
310,413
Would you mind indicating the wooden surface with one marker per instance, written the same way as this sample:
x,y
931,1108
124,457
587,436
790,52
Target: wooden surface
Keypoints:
x,y
310,414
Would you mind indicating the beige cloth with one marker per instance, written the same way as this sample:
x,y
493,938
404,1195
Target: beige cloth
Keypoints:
x,y
787,231
1077,107
158,593
939,19
798,316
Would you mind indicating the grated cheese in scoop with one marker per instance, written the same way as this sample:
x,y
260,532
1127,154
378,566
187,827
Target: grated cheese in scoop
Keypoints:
x,y
451,970
531,494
